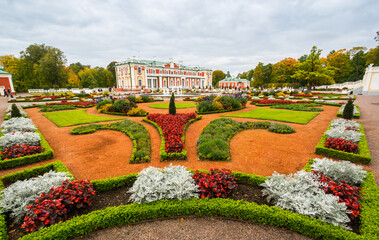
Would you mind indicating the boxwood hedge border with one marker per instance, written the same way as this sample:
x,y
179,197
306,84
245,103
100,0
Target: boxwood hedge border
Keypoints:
x,y
120,215
165,156
219,111
363,156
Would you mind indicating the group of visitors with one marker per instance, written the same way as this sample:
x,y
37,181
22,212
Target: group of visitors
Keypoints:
x,y
7,93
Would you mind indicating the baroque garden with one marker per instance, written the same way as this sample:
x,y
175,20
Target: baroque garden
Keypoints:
x,y
73,163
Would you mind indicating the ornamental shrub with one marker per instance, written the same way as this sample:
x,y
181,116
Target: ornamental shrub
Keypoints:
x,y
341,145
281,128
102,103
20,124
123,105
139,100
14,138
8,111
20,194
348,112
216,184
172,107
342,108
302,193
341,132
53,206
16,151
15,112
341,170
155,184
346,194
137,112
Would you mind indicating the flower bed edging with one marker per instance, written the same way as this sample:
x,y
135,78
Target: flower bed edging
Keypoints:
x,y
45,155
57,166
94,127
221,111
357,115
364,155
172,156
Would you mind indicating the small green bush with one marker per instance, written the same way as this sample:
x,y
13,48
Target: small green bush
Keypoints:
x,y
102,103
172,107
15,112
348,112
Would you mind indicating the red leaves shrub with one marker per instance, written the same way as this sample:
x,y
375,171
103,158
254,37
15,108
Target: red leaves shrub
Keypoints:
x,y
53,206
17,150
341,145
216,184
172,128
347,194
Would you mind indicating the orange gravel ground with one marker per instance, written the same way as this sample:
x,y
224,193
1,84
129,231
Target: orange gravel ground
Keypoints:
x,y
106,153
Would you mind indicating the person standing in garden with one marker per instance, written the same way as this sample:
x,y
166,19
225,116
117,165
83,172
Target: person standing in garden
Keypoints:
x,y
9,93
5,93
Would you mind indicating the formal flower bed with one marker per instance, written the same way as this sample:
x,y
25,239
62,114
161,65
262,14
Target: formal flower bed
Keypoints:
x,y
172,129
79,103
274,101
311,107
356,113
52,97
214,104
160,197
54,108
213,143
137,133
21,143
8,112
345,139
126,107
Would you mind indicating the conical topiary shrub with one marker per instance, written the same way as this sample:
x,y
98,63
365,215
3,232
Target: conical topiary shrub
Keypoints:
x,y
15,112
348,111
172,107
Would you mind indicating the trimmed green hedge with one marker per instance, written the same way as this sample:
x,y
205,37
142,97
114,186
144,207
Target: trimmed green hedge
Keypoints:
x,y
165,156
141,145
117,216
57,166
357,115
363,156
123,114
220,111
39,157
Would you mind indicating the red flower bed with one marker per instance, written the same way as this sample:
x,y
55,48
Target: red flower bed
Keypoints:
x,y
216,184
17,150
341,145
64,102
52,207
347,194
172,127
39,98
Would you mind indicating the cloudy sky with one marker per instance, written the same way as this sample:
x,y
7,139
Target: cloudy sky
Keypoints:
x,y
229,35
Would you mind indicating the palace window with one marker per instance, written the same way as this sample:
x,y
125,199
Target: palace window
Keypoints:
x,y
171,83
140,83
139,70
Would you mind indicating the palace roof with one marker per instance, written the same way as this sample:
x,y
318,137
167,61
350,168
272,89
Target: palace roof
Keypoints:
x,y
230,79
159,64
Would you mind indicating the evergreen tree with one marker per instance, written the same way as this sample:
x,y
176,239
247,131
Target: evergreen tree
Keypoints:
x,y
15,112
348,111
172,107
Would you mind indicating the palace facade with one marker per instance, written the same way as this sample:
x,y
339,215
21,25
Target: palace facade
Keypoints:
x,y
145,74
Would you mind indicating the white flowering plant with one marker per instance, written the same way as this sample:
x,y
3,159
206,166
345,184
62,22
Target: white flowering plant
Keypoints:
x,y
20,124
14,138
341,132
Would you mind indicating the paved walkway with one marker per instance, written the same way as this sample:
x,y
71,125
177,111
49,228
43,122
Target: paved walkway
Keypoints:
x,y
369,108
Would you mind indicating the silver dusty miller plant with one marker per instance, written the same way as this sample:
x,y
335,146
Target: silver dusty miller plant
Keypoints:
x,y
342,170
14,138
19,195
341,132
345,123
155,184
301,193
20,124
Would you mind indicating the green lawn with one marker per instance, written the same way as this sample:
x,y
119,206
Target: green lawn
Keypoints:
x,y
76,117
178,105
277,115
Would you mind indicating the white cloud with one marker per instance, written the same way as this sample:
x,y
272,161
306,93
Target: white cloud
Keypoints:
x,y
227,35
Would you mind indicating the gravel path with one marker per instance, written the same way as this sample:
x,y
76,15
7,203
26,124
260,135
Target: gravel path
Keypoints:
x,y
194,228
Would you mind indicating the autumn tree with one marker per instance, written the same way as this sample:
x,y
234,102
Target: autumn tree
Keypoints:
x,y
373,56
311,72
262,74
282,71
77,67
358,63
303,58
73,79
217,76
340,61
12,65
87,78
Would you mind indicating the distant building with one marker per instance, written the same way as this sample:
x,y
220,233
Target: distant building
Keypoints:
x,y
6,81
370,83
234,82
137,74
